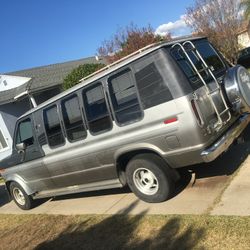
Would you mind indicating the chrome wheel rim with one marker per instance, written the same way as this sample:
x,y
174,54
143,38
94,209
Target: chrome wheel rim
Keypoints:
x,y
19,196
145,181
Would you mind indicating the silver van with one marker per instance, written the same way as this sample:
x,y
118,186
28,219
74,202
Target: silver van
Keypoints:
x,y
133,123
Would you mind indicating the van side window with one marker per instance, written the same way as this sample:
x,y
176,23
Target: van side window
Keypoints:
x,y
53,127
124,97
72,118
152,88
25,133
96,109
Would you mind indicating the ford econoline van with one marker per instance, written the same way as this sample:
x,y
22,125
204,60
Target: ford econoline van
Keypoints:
x,y
134,123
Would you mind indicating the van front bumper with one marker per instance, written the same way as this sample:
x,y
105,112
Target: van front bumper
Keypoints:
x,y
226,140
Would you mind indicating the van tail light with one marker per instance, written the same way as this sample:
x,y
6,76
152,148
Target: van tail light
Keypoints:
x,y
197,113
171,120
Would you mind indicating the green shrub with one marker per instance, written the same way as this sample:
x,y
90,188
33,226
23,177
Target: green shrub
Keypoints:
x,y
80,72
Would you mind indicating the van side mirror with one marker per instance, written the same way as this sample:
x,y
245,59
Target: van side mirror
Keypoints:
x,y
21,147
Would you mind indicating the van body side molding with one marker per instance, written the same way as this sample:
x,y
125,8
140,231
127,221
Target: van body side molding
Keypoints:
x,y
115,183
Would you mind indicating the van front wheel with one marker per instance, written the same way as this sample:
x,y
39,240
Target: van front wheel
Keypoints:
x,y
20,197
149,178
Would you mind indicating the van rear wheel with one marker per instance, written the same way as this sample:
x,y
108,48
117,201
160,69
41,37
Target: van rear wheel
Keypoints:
x,y
20,197
149,178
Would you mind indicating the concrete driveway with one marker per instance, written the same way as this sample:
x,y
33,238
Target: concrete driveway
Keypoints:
x,y
221,187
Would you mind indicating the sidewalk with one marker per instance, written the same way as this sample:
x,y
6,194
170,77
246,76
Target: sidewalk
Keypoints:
x,y
236,198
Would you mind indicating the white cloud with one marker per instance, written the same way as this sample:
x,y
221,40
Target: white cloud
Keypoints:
x,y
177,28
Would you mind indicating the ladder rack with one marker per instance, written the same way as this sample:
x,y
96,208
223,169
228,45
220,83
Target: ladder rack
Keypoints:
x,y
209,91
121,60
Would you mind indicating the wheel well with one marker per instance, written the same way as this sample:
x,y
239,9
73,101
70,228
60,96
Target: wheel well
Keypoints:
x,y
123,160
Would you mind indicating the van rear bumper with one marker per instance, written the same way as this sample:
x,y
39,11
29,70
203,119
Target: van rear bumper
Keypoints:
x,y
223,143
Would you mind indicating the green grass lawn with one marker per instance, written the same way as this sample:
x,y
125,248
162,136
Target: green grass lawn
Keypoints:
x,y
124,232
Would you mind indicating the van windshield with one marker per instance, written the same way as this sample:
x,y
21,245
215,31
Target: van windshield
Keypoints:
x,y
209,55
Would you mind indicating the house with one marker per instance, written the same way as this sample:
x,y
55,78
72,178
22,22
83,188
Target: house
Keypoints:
x,y
244,35
24,89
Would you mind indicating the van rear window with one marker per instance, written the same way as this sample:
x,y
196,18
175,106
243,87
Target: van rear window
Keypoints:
x,y
53,127
209,55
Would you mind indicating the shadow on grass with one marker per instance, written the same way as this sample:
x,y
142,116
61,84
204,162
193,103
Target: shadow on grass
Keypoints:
x,y
126,232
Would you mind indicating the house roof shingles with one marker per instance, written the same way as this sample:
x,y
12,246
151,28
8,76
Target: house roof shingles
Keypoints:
x,y
43,77
51,75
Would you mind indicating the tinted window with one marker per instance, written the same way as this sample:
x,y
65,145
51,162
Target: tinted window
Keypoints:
x,y
25,133
124,97
152,88
72,118
208,54
96,109
187,67
53,127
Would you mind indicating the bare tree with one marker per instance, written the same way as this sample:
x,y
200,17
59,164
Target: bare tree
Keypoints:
x,y
220,21
127,40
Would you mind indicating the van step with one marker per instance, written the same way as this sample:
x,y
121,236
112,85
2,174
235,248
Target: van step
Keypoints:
x,y
213,91
224,111
190,49
205,69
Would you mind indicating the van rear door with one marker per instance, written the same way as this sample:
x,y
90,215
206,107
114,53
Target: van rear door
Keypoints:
x,y
205,70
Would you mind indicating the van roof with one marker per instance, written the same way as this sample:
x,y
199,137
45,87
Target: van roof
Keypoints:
x,y
110,68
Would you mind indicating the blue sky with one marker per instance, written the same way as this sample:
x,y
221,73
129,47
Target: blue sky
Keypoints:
x,y
41,32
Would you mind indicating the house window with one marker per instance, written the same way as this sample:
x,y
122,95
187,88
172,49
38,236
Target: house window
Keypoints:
x,y
25,133
72,118
53,127
3,143
124,98
96,109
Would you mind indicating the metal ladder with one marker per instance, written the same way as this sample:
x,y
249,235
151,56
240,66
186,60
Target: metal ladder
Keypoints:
x,y
209,91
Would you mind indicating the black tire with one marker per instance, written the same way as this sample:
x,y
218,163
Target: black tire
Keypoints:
x,y
24,201
151,170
